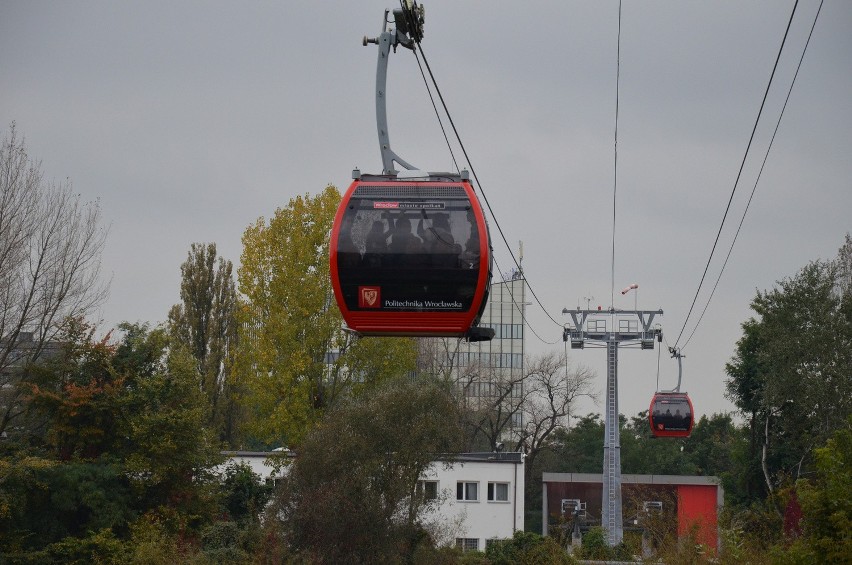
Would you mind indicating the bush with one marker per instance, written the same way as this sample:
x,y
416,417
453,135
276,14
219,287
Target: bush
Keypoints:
x,y
595,546
100,547
526,548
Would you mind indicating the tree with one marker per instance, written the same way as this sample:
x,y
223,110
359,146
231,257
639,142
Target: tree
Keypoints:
x,y
168,452
351,495
519,407
292,355
642,453
50,248
245,494
844,267
205,324
77,396
552,388
745,388
492,399
578,449
790,373
826,504
122,436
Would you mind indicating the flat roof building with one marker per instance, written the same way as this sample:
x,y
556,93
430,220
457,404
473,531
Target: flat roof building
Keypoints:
x,y
695,502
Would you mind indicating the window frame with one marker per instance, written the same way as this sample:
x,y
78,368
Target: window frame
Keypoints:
x,y
462,489
492,492
425,492
467,544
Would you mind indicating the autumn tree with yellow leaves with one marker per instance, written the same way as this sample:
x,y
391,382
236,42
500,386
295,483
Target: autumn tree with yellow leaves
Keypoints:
x,y
293,359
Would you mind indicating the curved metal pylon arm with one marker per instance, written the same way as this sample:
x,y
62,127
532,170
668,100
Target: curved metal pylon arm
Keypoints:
x,y
409,31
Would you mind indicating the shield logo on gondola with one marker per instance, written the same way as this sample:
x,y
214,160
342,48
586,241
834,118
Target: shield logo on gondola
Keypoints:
x,y
369,297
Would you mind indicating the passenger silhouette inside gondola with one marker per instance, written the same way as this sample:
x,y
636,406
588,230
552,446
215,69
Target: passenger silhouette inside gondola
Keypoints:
x,y
376,244
348,254
404,248
470,257
438,240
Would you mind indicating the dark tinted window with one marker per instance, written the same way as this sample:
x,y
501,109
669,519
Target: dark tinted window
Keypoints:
x,y
671,414
417,249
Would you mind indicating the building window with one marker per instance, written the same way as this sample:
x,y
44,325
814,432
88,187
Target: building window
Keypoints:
x,y
498,492
428,489
467,544
467,491
517,420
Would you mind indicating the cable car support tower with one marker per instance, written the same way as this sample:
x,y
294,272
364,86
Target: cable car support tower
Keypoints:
x,y
635,327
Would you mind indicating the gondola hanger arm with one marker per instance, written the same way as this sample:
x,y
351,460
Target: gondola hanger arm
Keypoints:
x,y
408,31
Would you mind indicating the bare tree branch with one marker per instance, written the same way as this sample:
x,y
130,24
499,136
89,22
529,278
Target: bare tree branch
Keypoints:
x,y
50,249
553,387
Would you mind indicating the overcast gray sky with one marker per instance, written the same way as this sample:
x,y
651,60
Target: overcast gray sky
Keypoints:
x,y
189,120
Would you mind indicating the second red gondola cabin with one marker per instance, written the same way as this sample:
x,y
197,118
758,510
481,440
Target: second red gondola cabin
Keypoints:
x,y
671,414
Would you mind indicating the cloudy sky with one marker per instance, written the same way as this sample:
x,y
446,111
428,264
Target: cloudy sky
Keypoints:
x,y
189,120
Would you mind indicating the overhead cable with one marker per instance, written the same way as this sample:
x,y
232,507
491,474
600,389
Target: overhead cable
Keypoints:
x,y
759,174
419,47
739,174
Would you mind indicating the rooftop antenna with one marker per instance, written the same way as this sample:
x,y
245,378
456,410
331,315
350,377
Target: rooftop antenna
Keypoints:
x,y
520,257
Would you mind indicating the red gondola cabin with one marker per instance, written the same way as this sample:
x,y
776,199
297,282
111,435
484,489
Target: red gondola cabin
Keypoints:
x,y
671,414
411,257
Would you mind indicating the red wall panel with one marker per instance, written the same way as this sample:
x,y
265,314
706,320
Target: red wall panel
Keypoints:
x,y
696,508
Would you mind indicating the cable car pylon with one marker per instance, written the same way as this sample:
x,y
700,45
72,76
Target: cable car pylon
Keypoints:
x,y
635,327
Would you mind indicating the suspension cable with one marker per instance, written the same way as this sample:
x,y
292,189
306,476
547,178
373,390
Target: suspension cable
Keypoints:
x,y
437,114
419,47
759,174
739,174
615,158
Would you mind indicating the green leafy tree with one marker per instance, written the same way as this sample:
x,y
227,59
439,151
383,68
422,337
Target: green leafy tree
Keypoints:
x,y
718,447
122,437
578,449
22,477
351,494
292,355
205,324
169,453
642,453
595,546
245,494
790,373
826,506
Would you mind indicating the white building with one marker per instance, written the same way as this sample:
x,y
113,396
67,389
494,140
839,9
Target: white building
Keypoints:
x,y
480,496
